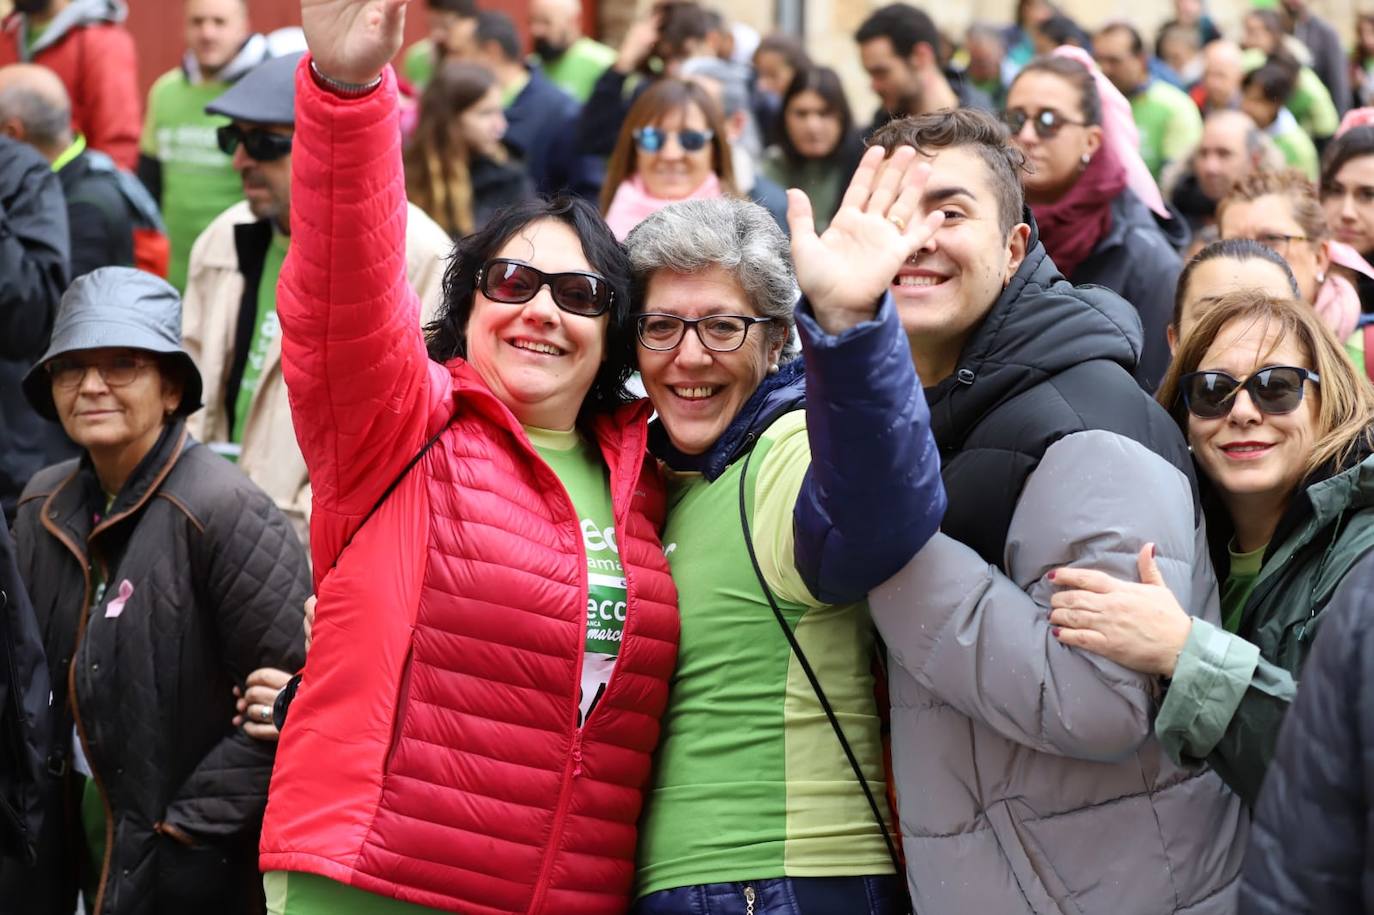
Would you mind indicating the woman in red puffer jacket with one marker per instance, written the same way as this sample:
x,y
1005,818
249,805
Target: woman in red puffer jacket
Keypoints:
x,y
509,590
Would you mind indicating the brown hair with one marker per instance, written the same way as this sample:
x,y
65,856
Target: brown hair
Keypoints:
x,y
1345,398
652,106
1289,183
436,161
1076,75
971,128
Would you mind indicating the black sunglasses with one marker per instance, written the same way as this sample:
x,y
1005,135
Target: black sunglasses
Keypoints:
x,y
1274,389
514,283
1046,122
651,139
262,145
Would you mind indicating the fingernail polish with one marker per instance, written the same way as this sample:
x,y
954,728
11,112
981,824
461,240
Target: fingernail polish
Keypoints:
x,y
1153,550
1054,631
1051,575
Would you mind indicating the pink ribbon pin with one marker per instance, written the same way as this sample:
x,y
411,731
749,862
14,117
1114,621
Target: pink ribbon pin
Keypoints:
x,y
116,606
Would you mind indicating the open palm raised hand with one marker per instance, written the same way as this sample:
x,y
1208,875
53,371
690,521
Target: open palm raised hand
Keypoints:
x,y
353,40
844,272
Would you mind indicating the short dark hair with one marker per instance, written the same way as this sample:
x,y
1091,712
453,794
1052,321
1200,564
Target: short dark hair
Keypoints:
x,y
785,46
905,26
500,28
463,9
1060,29
1276,79
967,127
446,335
1231,249
1137,44
825,82
1077,75
681,21
1355,143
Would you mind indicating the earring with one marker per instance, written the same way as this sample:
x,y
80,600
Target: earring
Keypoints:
x,y
773,369
1085,159
1321,278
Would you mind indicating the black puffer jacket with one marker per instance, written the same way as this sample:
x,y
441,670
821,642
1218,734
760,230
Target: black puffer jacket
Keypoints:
x,y
1139,261
1312,845
205,582
34,246
23,712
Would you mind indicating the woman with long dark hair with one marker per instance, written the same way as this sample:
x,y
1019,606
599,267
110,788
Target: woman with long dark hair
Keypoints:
x,y
456,169
818,147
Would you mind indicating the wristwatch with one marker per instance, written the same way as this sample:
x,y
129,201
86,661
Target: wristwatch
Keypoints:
x,y
339,87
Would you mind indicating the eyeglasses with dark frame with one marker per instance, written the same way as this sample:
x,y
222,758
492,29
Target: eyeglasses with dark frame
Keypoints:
x,y
719,333
262,145
1274,390
1275,241
68,372
515,282
1046,122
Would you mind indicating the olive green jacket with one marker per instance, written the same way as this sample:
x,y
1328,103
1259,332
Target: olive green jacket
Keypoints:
x,y
1230,691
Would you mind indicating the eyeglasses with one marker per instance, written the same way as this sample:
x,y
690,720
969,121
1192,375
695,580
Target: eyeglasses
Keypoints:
x,y
1046,122
718,333
515,283
116,371
652,139
262,145
1278,243
1274,389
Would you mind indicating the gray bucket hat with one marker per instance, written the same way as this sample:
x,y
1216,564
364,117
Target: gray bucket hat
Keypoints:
x,y
117,307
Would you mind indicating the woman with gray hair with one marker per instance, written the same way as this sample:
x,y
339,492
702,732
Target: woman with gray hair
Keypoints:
x,y
786,505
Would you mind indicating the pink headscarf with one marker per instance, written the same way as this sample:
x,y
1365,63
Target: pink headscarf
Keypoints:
x,y
1338,304
1119,135
1356,117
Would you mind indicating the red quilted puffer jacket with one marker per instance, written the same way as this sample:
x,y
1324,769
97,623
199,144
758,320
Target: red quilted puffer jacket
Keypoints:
x,y
432,753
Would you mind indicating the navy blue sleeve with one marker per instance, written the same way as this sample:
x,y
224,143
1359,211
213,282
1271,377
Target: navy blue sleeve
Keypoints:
x,y
873,495
34,251
1318,785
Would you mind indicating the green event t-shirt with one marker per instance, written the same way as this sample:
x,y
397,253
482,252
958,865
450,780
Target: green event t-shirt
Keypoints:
x,y
1169,124
579,67
265,332
418,63
1240,582
579,467
198,180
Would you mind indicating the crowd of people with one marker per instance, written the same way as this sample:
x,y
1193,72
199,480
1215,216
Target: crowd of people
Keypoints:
x,y
582,480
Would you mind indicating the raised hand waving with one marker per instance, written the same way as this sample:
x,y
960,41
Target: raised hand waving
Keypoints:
x,y
353,40
845,271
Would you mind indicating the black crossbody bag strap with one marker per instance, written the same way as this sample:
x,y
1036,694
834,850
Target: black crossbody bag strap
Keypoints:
x,y
287,694
811,674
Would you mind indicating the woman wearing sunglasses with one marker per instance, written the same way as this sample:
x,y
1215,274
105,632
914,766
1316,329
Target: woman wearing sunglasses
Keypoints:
x,y
673,146
485,536
1278,421
1098,211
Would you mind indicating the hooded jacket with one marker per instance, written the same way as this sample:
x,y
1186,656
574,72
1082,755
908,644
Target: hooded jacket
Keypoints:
x,y
152,610
1138,259
94,55
1028,778
34,269
1230,692
1311,849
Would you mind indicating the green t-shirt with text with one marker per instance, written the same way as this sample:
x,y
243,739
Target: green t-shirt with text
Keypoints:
x,y
1240,582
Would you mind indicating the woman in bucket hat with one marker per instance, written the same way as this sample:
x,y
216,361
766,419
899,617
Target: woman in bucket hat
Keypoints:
x,y
161,577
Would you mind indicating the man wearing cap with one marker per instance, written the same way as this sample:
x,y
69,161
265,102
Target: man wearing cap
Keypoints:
x,y
230,315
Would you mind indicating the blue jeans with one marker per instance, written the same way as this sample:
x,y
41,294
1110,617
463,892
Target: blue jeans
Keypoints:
x,y
879,895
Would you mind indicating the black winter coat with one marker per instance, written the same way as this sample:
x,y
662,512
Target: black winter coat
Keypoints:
x,y
1312,843
33,272
1139,261
102,222
205,583
24,723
